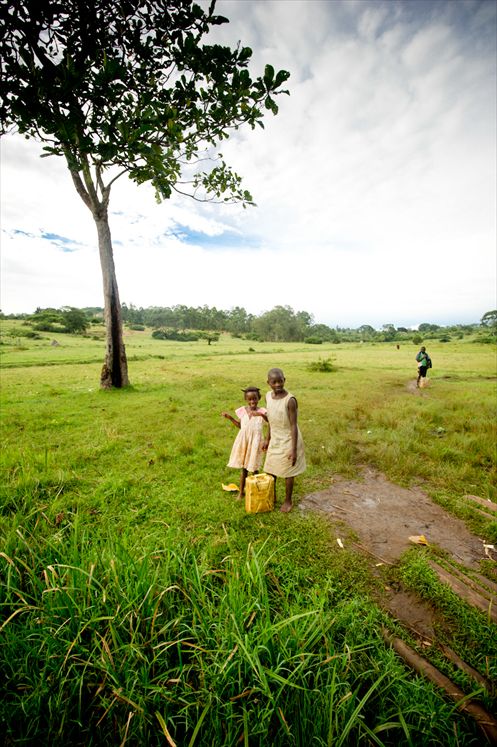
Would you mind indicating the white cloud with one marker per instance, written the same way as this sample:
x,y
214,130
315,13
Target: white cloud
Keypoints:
x,y
375,184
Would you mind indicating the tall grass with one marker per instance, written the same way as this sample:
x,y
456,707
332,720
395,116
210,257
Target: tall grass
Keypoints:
x,y
103,647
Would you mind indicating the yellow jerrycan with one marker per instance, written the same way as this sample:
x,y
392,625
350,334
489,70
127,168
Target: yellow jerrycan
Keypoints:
x,y
259,493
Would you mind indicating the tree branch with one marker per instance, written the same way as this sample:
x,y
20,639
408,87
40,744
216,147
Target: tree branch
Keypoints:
x,y
80,189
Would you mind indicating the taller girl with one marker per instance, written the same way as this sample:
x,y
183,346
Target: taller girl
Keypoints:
x,y
285,447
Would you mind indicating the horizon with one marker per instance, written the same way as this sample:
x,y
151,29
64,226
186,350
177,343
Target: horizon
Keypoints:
x,y
332,325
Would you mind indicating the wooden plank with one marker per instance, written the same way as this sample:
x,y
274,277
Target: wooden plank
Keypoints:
x,y
489,505
485,720
485,514
487,583
474,584
465,592
469,670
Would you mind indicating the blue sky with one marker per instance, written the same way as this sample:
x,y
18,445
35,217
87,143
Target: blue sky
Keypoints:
x,y
375,185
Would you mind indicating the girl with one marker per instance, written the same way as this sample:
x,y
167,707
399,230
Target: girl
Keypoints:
x,y
246,453
285,447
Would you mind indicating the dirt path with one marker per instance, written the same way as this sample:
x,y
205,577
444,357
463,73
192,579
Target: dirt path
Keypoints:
x,y
384,516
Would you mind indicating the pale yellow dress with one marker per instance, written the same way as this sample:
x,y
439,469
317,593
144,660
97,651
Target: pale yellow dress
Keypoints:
x,y
247,449
277,462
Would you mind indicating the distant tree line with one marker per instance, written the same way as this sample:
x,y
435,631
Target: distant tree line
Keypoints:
x,y
280,324
67,319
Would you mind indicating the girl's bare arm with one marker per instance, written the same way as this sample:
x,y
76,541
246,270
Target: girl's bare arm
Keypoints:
x,y
265,443
292,416
229,417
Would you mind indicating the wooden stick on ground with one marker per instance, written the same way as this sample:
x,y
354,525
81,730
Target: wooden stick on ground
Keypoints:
x,y
484,591
470,596
489,505
484,581
485,514
485,720
461,664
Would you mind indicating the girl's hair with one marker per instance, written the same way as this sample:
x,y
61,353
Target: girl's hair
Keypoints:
x,y
252,389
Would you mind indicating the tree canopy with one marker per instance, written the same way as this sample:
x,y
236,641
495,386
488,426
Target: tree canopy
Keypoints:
x,y
129,88
489,319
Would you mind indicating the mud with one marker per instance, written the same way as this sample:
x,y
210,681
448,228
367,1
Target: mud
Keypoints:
x,y
384,516
413,612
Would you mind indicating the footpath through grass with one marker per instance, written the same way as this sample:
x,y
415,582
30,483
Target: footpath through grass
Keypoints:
x,y
141,605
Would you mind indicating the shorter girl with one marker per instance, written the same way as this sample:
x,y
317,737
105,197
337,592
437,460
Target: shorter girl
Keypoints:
x,y
246,453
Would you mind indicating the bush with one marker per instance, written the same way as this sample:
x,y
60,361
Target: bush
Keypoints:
x,y
173,334
313,340
48,327
24,333
136,327
324,365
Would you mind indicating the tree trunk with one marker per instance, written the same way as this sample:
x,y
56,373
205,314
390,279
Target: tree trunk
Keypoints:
x,y
115,367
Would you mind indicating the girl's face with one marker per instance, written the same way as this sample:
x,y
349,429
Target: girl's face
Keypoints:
x,y
277,383
252,399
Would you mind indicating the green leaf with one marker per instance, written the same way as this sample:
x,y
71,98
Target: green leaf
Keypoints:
x,y
281,76
268,74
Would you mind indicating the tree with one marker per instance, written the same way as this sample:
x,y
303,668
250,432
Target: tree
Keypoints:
x,y
425,327
489,319
389,332
322,332
281,324
238,321
74,320
129,88
366,331
47,320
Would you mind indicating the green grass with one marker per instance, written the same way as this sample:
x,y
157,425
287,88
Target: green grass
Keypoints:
x,y
139,599
460,625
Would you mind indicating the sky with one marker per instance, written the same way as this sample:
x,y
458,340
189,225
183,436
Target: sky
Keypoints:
x,y
375,184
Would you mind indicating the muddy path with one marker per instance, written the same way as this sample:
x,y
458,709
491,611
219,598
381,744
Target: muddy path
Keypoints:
x,y
386,518
385,515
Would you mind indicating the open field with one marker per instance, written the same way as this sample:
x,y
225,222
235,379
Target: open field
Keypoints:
x,y
141,605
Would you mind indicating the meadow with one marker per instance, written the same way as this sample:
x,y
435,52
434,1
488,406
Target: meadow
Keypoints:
x,y
142,605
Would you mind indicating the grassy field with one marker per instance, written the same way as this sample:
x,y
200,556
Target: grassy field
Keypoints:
x,y
141,605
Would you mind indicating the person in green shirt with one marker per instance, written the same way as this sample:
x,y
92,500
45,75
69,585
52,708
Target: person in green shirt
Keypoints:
x,y
424,363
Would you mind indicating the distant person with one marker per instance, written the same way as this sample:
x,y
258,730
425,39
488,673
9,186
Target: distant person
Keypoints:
x,y
424,363
247,453
285,447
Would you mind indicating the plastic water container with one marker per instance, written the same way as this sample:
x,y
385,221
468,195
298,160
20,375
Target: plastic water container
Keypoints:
x,y
259,493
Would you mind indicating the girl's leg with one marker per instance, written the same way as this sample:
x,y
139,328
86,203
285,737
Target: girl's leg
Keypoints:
x,y
243,476
287,505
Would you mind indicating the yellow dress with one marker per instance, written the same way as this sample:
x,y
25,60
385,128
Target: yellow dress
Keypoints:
x,y
277,462
247,449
